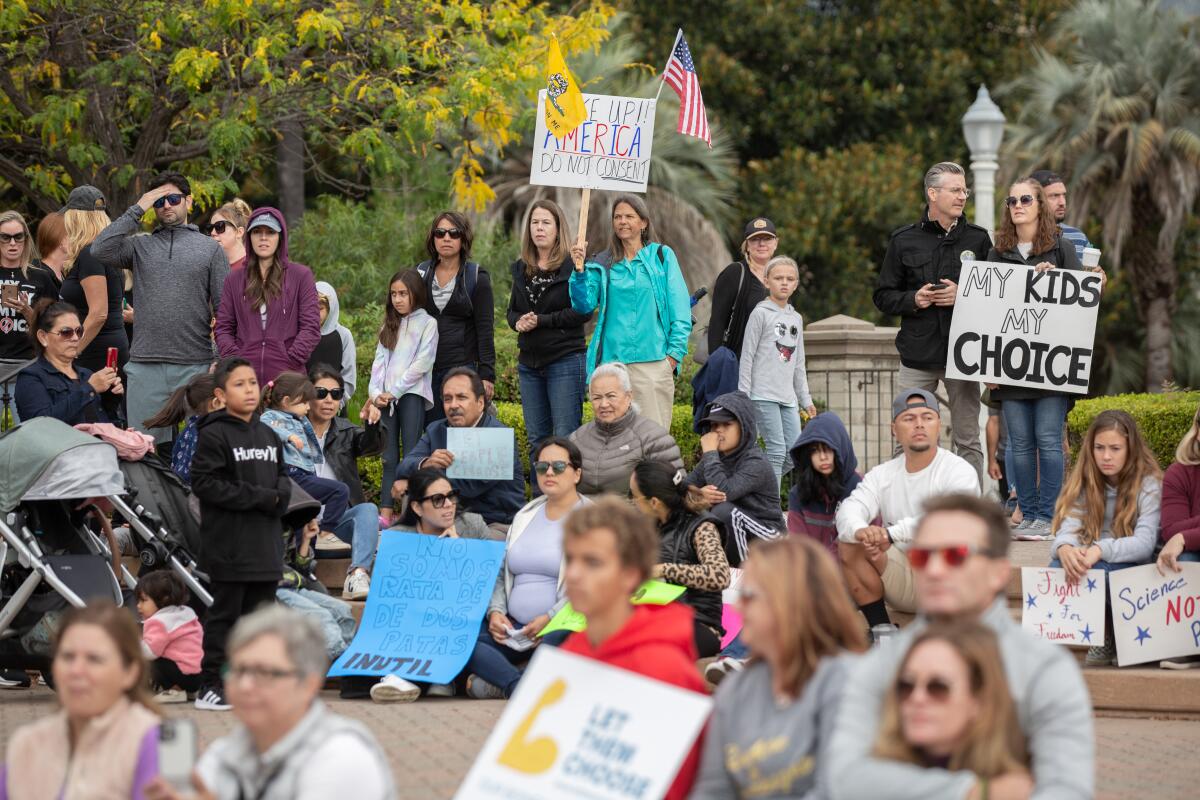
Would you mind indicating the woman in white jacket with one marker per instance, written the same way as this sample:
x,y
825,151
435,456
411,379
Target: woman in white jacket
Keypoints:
x,y
529,588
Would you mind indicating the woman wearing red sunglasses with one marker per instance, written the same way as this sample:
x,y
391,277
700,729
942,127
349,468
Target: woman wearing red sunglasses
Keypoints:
x,y
950,708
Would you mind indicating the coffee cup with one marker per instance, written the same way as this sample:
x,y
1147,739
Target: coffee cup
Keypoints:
x,y
1091,258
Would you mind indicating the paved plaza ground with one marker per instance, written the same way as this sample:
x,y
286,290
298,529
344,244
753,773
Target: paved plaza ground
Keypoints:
x,y
432,743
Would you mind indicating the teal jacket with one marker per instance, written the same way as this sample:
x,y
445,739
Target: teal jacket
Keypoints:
x,y
640,335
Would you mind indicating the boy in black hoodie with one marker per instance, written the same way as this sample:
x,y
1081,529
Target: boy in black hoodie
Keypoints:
x,y
239,476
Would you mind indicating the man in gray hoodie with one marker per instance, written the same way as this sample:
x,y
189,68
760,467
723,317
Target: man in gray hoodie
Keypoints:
x,y
178,274
962,544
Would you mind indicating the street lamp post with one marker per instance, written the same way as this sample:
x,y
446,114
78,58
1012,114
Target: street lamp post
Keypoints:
x,y
983,128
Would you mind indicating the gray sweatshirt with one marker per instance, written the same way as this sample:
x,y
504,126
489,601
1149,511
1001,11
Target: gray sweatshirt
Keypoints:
x,y
1138,547
755,747
1053,709
178,274
771,366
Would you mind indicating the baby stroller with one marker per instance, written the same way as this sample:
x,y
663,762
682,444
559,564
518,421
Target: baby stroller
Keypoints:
x,y
48,557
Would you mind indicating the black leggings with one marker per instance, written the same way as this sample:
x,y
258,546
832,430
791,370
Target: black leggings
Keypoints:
x,y
165,673
708,644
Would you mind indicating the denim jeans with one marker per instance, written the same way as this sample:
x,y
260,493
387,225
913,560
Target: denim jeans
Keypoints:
x,y
499,664
402,424
779,427
1035,439
334,617
1190,555
552,397
735,648
360,528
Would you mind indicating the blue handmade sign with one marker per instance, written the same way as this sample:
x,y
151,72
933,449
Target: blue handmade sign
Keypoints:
x,y
484,454
427,600
1155,616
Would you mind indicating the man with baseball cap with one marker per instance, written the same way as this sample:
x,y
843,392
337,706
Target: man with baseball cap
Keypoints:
x,y
877,522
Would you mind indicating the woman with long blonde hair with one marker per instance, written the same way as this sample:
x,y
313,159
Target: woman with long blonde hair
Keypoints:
x,y
949,707
228,226
95,289
1108,513
773,721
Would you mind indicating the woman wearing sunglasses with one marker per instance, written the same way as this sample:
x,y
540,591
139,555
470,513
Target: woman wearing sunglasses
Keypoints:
x,y
95,289
950,708
458,294
228,226
1034,418
434,509
529,590
773,721
690,552
53,385
22,287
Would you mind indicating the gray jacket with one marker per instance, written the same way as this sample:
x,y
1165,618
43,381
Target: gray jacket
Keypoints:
x,y
612,449
1138,546
1053,708
178,274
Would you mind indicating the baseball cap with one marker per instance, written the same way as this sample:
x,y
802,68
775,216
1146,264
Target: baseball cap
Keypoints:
x,y
758,226
84,198
901,403
718,413
264,220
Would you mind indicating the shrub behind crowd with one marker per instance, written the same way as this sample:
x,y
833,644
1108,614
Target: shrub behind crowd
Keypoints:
x,y
1163,418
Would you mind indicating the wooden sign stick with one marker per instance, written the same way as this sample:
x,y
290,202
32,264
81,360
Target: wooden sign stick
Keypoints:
x,y
584,204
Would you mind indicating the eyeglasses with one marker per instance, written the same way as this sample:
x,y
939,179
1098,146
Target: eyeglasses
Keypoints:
x,y
1025,200
441,233
219,227
935,689
168,200
259,674
12,237
69,333
954,556
553,467
956,191
336,394
440,500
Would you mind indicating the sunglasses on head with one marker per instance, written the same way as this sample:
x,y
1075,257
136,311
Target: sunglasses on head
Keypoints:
x,y
69,333
954,556
168,200
336,394
553,467
440,500
12,237
935,689
441,233
219,227
1025,200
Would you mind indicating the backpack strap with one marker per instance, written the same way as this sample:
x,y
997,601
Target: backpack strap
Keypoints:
x,y
737,303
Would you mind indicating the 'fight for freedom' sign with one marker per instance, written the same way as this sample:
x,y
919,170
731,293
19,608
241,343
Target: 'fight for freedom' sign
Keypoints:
x,y
1062,612
1015,326
609,150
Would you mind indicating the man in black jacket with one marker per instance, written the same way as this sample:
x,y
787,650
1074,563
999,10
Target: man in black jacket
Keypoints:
x,y
919,283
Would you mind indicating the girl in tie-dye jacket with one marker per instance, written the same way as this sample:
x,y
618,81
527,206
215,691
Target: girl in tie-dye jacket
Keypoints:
x,y
402,373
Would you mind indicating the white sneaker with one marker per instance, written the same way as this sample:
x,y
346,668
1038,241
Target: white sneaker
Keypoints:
x,y
1036,531
175,695
394,689
328,543
440,690
211,699
719,670
358,584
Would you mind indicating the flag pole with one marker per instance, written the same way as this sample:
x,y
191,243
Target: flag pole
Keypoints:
x,y
663,79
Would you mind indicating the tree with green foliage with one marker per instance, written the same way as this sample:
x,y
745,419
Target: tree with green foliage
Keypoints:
x,y
108,92
1118,110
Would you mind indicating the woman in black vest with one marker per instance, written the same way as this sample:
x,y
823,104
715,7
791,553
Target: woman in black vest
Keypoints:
x,y
690,551
458,295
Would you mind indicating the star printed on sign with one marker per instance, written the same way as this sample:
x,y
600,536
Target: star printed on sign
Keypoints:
x,y
1086,632
1091,584
1143,634
1030,601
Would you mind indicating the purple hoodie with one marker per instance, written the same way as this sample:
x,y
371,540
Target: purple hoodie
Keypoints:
x,y
293,326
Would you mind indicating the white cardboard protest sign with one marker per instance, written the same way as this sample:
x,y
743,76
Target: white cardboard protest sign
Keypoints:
x,y
1155,616
1061,612
578,728
609,150
484,454
1015,326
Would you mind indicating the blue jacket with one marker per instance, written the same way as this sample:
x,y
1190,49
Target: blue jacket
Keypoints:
x,y
718,376
287,425
652,334
43,391
495,501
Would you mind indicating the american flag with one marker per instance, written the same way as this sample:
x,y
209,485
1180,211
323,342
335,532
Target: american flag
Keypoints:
x,y
681,76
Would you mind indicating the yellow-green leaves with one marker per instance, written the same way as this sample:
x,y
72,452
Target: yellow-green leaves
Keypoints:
x,y
193,66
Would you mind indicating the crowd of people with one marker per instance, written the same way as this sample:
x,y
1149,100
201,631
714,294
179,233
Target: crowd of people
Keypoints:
x,y
240,371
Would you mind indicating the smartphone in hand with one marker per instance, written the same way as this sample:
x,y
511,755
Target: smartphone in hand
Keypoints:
x,y
937,287
110,360
177,747
10,293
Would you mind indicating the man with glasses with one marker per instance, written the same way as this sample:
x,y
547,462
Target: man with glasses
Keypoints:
x,y
178,273
960,557
872,554
919,282
465,402
1056,197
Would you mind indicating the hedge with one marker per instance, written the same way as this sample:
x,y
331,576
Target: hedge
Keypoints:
x,y
1163,418
371,469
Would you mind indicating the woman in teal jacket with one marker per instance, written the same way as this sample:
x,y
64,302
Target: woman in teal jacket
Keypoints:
x,y
643,314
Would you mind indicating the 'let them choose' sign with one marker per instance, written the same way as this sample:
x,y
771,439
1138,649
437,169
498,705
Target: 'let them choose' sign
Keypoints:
x,y
1015,326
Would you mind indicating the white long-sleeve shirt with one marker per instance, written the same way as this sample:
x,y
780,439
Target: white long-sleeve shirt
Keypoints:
x,y
896,495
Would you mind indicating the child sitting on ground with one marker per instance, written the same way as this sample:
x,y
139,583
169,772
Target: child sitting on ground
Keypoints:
x,y
300,589
172,639
190,401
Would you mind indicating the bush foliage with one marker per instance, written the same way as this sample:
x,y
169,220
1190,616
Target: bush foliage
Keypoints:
x,y
1163,418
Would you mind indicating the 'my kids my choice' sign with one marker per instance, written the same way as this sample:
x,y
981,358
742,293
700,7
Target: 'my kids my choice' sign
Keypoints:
x,y
609,150
1015,326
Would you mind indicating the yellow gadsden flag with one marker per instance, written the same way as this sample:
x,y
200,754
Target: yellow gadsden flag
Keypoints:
x,y
564,101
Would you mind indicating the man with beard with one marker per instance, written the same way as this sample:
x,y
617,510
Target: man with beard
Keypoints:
x,y
873,556
1056,197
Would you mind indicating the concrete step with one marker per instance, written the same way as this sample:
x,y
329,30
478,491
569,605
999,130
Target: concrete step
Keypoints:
x,y
331,572
1144,691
